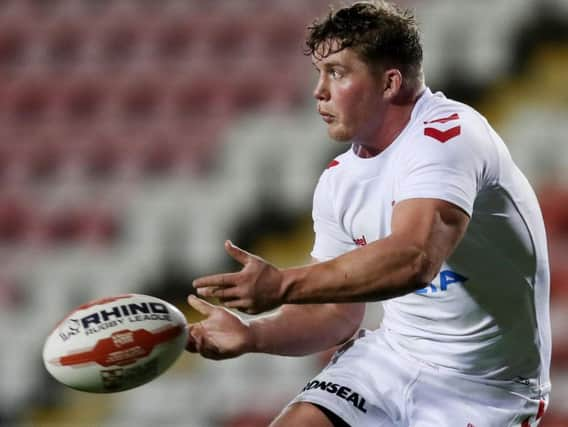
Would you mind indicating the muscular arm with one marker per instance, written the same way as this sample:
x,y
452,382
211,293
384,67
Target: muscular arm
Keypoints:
x,y
298,330
424,234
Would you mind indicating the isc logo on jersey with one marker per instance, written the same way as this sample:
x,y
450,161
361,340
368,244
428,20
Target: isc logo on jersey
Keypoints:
x,y
442,282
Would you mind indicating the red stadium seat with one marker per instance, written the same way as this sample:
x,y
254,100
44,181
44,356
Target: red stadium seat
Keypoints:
x,y
198,94
282,33
79,224
198,141
119,40
61,225
552,419
97,226
559,329
554,204
42,158
251,92
13,45
82,98
151,152
558,252
15,216
8,156
174,39
12,295
140,98
29,155
27,101
100,155
227,36
267,87
64,44
52,224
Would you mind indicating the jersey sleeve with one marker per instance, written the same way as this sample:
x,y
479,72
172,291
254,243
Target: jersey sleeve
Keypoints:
x,y
446,162
330,239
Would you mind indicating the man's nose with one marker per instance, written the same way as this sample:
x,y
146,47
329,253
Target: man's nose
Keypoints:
x,y
321,93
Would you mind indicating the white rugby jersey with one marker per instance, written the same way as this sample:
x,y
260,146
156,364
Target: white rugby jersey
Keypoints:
x,y
486,314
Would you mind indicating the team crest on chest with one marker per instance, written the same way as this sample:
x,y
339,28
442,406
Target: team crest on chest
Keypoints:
x,y
361,241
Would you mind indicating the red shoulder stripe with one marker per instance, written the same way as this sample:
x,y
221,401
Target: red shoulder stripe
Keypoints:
x,y
332,164
454,116
442,135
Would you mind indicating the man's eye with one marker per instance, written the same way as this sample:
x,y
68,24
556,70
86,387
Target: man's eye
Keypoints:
x,y
335,74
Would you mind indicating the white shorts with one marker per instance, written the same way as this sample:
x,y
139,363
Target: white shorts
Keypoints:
x,y
368,384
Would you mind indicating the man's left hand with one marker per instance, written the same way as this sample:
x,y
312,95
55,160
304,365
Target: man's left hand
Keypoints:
x,y
257,288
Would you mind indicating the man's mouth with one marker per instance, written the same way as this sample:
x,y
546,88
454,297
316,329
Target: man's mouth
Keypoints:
x,y
328,118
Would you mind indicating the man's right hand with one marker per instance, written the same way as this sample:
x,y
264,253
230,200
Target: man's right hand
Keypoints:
x,y
221,335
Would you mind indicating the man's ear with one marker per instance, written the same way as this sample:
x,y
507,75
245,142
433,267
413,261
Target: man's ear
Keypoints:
x,y
392,83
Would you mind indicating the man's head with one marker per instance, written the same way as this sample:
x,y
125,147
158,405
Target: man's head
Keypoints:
x,y
383,36
369,60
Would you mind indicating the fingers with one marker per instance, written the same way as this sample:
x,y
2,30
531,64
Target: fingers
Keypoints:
x,y
236,253
242,305
216,280
227,296
223,294
198,342
225,279
195,338
200,305
191,344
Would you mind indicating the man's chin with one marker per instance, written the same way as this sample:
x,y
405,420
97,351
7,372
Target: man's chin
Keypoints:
x,y
339,135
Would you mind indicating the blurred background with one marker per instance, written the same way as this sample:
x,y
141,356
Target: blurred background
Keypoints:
x,y
137,135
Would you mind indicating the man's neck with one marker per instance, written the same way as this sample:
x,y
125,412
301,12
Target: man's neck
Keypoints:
x,y
395,120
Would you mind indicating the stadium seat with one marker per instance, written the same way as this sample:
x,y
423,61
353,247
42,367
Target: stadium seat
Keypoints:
x,y
251,92
11,294
13,45
558,253
198,94
64,44
119,40
100,155
282,33
554,205
227,36
42,158
61,225
554,419
267,85
28,158
7,157
74,223
173,40
15,216
82,98
27,100
139,98
98,225
559,322
199,141
156,154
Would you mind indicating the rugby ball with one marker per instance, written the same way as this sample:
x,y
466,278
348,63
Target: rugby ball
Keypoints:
x,y
116,343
